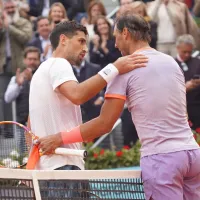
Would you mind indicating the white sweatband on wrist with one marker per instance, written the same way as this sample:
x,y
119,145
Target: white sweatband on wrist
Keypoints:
x,y
109,72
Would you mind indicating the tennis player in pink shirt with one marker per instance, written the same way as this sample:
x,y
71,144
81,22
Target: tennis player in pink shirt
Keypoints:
x,y
156,98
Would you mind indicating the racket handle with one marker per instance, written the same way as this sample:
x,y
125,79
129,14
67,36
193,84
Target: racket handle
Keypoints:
x,y
71,152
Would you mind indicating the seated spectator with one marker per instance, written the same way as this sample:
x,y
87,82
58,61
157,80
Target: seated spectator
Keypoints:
x,y
139,8
171,25
191,69
102,47
95,9
15,32
91,108
41,41
18,88
57,14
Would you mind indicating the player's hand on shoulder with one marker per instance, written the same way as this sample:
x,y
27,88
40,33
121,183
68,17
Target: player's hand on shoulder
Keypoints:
x,y
128,63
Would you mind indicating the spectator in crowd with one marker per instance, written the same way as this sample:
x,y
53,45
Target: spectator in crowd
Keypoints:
x,y
91,108
57,14
102,47
125,3
23,8
15,32
95,9
191,69
171,25
39,7
75,7
41,41
139,7
18,88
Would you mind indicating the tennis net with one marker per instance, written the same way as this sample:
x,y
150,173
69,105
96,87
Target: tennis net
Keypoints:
x,y
74,185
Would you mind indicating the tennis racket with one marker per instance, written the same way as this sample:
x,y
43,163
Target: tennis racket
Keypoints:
x,y
16,145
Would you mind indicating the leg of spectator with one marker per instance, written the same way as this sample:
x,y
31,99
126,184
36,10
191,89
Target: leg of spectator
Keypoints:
x,y
128,129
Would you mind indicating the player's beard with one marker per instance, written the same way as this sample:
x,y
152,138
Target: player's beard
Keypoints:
x,y
74,60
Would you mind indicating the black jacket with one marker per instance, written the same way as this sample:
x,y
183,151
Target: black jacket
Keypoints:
x,y
36,7
154,35
89,110
36,42
193,96
100,58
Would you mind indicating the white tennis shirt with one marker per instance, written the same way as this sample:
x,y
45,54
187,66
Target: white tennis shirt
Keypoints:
x,y
50,112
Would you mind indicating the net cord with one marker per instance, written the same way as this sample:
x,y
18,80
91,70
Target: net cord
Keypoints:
x,y
73,175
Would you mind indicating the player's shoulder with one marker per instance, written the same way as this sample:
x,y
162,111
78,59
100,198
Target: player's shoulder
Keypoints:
x,y
122,79
58,61
164,57
58,64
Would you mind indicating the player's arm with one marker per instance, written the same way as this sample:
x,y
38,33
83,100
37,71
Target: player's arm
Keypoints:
x,y
79,93
110,112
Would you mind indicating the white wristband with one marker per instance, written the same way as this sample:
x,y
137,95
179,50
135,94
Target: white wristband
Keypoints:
x,y
109,72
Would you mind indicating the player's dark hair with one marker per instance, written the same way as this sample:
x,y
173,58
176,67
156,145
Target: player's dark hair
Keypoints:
x,y
68,28
137,26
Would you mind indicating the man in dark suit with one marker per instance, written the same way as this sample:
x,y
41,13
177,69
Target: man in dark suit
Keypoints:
x,y
191,69
41,41
37,7
91,108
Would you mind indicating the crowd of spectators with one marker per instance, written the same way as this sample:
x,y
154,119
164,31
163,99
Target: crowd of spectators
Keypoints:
x,y
25,26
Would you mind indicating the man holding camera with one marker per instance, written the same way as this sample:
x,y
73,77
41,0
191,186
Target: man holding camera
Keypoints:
x,y
191,69
18,88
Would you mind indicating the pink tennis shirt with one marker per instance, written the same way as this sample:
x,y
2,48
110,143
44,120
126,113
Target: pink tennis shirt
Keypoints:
x,y
156,97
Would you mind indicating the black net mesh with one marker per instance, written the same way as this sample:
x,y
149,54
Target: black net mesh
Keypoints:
x,y
14,189
73,189
116,189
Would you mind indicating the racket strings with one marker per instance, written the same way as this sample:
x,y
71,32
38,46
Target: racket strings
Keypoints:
x,y
15,145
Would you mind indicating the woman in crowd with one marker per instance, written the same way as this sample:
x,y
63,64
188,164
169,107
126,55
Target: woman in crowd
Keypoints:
x,y
95,9
57,14
102,46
